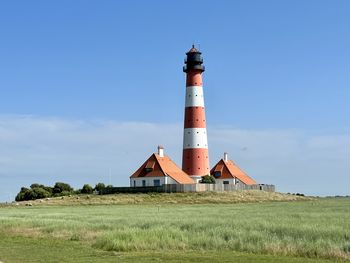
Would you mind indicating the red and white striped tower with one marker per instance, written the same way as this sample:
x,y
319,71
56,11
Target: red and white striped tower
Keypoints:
x,y
195,158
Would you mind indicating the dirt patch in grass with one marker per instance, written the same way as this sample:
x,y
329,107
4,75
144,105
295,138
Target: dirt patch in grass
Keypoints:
x,y
22,231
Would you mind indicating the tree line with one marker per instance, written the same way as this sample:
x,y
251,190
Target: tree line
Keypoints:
x,y
39,191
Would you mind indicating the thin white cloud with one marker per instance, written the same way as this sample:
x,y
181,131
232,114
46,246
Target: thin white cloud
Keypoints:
x,y
46,150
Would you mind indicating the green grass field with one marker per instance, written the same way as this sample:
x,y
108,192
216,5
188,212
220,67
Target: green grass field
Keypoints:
x,y
313,230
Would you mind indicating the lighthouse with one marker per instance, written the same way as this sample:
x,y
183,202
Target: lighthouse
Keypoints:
x,y
195,158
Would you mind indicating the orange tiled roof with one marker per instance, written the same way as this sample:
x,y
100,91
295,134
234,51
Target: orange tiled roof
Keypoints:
x,y
162,166
229,170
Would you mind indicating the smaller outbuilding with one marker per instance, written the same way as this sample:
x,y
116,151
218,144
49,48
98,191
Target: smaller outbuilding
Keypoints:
x,y
227,172
157,170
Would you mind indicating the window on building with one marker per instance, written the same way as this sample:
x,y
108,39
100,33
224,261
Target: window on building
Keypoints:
x,y
225,182
134,183
217,174
143,183
156,182
218,170
149,166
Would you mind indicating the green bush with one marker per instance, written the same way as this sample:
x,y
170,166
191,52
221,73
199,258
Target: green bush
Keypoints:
x,y
21,195
207,179
39,193
46,188
60,187
87,189
32,194
99,187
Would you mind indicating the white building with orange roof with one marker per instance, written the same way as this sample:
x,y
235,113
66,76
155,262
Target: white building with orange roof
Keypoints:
x,y
157,170
227,172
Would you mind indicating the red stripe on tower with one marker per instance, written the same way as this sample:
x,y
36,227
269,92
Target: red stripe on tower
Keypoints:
x,y
195,158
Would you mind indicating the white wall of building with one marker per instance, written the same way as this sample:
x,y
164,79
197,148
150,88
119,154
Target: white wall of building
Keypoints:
x,y
149,181
221,181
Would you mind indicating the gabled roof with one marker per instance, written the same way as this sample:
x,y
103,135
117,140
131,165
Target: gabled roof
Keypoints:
x,y
162,166
229,169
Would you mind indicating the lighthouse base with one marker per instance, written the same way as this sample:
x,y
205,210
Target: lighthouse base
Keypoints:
x,y
196,178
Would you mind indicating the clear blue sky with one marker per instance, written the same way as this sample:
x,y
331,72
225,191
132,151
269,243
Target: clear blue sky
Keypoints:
x,y
271,65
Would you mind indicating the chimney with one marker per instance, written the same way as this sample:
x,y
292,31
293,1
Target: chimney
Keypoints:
x,y
225,157
161,151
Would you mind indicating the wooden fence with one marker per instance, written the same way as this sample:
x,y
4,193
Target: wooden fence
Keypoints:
x,y
183,188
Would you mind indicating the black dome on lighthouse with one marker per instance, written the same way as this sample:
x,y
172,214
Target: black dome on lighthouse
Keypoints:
x,y
193,50
193,60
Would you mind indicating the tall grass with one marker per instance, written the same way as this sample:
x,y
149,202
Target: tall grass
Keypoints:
x,y
312,229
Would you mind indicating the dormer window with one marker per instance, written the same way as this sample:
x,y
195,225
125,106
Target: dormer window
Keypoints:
x,y
149,166
218,170
217,174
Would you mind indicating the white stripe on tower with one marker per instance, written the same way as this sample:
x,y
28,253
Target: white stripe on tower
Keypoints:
x,y
195,138
194,96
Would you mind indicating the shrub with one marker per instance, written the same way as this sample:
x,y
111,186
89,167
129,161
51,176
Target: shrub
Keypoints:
x,y
87,189
31,194
60,187
207,179
20,195
46,188
100,186
25,194
65,193
39,193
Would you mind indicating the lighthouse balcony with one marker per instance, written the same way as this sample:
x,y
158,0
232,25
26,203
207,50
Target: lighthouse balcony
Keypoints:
x,y
193,67
190,60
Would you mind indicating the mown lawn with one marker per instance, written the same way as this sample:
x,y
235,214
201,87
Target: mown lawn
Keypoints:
x,y
304,231
33,250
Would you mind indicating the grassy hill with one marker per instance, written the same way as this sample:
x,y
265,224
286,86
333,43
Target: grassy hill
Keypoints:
x,y
165,198
250,226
